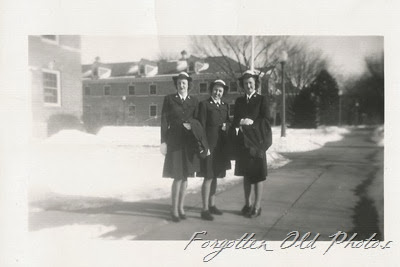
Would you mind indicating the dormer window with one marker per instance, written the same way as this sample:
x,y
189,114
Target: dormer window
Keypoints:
x,y
142,70
191,67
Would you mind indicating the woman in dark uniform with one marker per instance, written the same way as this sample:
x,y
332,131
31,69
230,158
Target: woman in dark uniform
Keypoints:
x,y
176,141
250,108
214,117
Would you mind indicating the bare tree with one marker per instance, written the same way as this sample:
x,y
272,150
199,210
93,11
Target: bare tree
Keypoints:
x,y
301,69
304,64
235,51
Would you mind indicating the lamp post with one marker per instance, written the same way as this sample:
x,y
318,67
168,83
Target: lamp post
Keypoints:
x,y
340,93
123,109
283,58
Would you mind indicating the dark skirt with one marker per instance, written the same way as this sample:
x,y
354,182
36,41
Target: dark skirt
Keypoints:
x,y
182,159
252,168
216,164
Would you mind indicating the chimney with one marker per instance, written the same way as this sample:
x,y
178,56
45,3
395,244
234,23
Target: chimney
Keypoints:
x,y
95,68
184,55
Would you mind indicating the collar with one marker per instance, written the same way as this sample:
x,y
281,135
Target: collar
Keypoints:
x,y
216,102
250,96
181,97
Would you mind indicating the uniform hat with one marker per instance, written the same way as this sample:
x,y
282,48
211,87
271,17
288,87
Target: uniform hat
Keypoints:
x,y
248,74
182,75
219,82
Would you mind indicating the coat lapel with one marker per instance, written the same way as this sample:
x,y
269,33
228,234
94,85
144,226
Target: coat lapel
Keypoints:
x,y
252,98
177,99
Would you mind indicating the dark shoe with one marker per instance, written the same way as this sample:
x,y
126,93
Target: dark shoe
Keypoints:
x,y
246,210
206,215
175,218
255,213
215,210
182,216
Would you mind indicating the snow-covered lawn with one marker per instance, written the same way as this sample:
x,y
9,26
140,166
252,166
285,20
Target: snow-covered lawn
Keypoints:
x,y
125,163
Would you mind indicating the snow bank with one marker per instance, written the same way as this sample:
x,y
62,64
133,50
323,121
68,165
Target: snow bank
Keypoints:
x,y
127,135
378,136
68,137
301,140
124,163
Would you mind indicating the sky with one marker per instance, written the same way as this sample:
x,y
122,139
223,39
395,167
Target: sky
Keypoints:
x,y
346,53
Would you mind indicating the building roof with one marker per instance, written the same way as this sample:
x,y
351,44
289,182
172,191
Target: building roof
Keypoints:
x,y
120,69
209,65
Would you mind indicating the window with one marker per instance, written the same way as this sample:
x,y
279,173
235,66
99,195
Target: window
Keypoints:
x,y
87,90
153,89
153,110
233,87
50,38
203,88
51,87
231,109
131,89
142,70
107,90
191,67
132,111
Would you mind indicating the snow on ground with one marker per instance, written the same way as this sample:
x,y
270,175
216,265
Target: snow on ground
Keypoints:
x,y
125,163
378,136
73,232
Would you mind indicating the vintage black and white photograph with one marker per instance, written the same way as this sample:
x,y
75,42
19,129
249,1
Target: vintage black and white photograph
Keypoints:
x,y
227,133
159,137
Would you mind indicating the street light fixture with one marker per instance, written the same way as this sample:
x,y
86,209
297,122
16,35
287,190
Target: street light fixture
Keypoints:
x,y
282,59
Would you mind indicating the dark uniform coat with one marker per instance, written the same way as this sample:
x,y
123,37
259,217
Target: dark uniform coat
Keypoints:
x,y
211,117
248,165
181,159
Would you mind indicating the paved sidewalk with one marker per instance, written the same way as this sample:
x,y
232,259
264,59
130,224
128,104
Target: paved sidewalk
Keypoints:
x,y
321,191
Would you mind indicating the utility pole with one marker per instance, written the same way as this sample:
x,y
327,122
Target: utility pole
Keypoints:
x,y
283,59
252,53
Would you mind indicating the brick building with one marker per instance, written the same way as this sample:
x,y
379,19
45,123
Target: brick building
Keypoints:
x,y
132,93
55,76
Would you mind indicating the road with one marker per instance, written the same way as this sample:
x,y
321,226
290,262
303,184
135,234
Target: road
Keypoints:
x,y
336,188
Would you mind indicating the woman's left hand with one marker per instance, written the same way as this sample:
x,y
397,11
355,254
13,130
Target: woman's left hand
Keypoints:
x,y
187,126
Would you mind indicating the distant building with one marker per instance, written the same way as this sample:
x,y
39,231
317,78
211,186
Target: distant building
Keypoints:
x,y
132,93
55,76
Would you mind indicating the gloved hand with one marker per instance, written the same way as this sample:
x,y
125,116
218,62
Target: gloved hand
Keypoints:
x,y
246,121
187,126
163,148
223,128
